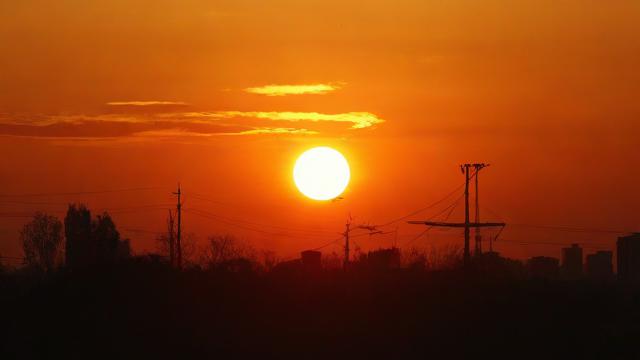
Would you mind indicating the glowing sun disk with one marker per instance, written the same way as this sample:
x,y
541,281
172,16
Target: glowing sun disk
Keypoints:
x,y
321,173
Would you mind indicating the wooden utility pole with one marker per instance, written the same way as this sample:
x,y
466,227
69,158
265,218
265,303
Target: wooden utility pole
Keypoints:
x,y
346,244
179,232
172,242
465,170
467,225
478,237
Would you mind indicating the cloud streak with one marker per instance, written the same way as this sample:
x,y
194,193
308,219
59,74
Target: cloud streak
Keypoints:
x,y
283,90
132,126
179,132
146,103
359,120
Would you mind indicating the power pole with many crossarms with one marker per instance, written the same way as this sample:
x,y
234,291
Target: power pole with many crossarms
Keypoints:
x,y
467,224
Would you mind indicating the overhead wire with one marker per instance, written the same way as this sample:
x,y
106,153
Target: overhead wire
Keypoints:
x,y
451,208
522,242
448,195
78,192
283,228
572,229
221,219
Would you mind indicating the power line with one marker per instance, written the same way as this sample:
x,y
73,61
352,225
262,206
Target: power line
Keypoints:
x,y
226,221
287,228
316,232
458,188
78,192
109,210
327,244
572,229
144,231
31,203
521,242
204,198
424,208
450,208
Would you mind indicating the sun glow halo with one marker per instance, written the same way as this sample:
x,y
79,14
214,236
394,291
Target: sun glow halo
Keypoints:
x,y
321,173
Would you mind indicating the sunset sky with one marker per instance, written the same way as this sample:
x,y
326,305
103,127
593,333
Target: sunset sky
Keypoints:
x,y
223,96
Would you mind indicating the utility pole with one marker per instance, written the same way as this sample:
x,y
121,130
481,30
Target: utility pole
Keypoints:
x,y
465,170
467,225
179,232
346,243
172,244
478,237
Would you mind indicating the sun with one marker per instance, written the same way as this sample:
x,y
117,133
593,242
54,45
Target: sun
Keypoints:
x,y
321,173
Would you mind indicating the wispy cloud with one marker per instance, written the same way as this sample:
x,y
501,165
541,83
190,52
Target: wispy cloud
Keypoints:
x,y
283,131
359,120
282,90
180,132
146,103
131,126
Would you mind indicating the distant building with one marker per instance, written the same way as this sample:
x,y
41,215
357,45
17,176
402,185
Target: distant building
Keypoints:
x,y
310,261
572,262
600,265
384,259
629,257
543,267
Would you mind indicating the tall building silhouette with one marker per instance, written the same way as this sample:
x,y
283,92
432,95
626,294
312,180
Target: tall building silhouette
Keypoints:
x,y
629,257
572,262
600,265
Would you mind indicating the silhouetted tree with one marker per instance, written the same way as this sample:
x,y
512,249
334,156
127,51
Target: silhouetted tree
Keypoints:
x,y
222,250
92,242
415,259
269,259
77,229
166,242
189,249
41,239
188,244
332,261
443,257
105,239
124,250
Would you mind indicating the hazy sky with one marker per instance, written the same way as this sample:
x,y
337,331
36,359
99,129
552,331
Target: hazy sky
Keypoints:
x,y
222,96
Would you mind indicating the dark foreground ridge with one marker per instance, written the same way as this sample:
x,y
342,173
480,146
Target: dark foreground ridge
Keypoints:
x,y
145,309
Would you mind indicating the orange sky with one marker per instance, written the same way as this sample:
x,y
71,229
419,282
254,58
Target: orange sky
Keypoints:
x,y
125,94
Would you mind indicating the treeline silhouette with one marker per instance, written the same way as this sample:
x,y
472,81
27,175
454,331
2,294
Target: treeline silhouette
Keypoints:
x,y
85,295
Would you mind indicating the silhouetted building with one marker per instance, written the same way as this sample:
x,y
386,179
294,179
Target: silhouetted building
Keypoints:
x,y
543,267
384,259
629,257
310,262
600,265
311,259
572,262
